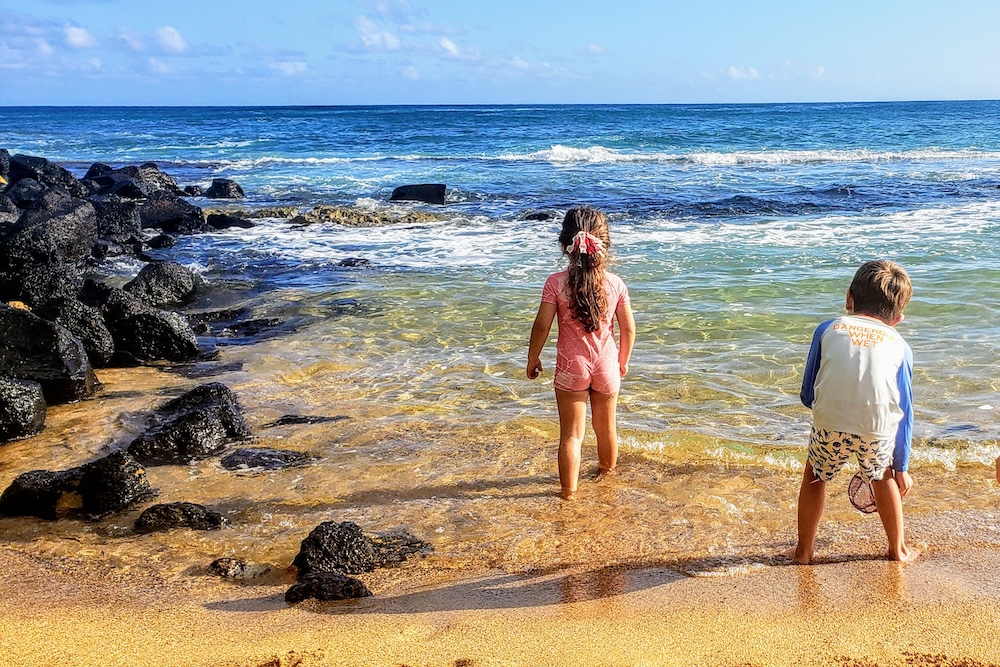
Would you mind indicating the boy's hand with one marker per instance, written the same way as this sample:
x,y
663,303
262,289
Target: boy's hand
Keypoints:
x,y
903,480
534,368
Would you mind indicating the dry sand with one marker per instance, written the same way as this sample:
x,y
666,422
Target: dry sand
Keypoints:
x,y
940,611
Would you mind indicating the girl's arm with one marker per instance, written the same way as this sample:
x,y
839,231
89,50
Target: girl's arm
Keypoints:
x,y
539,334
626,335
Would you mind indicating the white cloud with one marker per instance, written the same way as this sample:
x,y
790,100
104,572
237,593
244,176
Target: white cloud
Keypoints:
x,y
78,37
450,47
595,50
410,72
131,40
157,66
744,73
819,72
44,48
375,38
171,40
289,68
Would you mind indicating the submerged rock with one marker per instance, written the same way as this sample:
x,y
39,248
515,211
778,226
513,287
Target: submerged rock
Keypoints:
x,y
327,586
178,515
431,193
225,221
112,484
286,420
237,568
192,426
22,408
263,458
352,217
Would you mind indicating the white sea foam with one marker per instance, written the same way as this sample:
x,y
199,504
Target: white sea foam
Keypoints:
x,y
560,154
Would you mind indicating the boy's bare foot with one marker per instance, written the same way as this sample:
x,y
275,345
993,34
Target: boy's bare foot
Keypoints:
x,y
567,494
604,474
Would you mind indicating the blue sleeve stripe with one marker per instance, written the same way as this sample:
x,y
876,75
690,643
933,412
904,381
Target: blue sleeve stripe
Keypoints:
x,y
904,432
808,391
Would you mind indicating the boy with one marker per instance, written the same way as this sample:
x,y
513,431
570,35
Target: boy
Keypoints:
x,y
857,382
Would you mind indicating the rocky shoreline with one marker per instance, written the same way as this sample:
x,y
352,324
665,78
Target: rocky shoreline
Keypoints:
x,y
62,319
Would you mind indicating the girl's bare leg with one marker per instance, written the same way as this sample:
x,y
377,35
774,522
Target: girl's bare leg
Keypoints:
x,y
603,414
572,423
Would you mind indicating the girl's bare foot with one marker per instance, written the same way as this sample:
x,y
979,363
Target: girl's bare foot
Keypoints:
x,y
605,473
907,555
804,559
567,494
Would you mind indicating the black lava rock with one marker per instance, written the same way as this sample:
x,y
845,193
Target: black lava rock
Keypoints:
x,y
336,547
225,221
22,408
86,323
192,426
172,214
431,193
47,353
178,515
223,188
109,484
327,586
163,283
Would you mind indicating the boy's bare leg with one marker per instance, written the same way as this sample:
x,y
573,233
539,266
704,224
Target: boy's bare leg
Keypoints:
x,y
890,509
812,498
572,423
603,414
998,469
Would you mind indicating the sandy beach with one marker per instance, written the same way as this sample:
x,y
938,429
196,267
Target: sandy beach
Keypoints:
x,y
941,612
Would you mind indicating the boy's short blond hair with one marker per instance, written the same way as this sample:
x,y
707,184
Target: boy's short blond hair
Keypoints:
x,y
881,288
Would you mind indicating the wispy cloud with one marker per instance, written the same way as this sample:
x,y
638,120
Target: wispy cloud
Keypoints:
x,y
743,73
289,68
170,40
79,38
594,50
375,37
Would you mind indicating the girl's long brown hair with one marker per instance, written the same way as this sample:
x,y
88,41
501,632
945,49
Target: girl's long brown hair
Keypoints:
x,y
587,299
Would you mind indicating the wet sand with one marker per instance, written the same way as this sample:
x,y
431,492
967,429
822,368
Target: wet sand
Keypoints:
x,y
677,560
941,612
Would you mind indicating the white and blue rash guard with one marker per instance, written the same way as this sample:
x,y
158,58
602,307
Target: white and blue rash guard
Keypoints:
x,y
858,379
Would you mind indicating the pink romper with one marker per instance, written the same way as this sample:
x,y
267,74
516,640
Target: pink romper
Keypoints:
x,y
586,360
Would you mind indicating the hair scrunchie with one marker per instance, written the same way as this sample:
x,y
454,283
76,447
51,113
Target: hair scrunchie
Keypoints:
x,y
586,243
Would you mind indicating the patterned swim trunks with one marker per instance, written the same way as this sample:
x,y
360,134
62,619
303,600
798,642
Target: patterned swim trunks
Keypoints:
x,y
830,450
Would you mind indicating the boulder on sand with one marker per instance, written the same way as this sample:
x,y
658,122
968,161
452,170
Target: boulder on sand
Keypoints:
x,y
109,484
326,586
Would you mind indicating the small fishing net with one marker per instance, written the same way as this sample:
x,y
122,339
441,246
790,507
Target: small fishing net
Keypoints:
x,y
861,495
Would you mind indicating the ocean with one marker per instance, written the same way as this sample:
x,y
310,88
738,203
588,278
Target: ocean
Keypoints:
x,y
737,229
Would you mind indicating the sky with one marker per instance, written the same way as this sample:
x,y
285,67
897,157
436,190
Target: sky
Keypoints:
x,y
316,52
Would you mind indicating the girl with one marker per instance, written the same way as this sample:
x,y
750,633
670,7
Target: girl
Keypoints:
x,y
589,366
